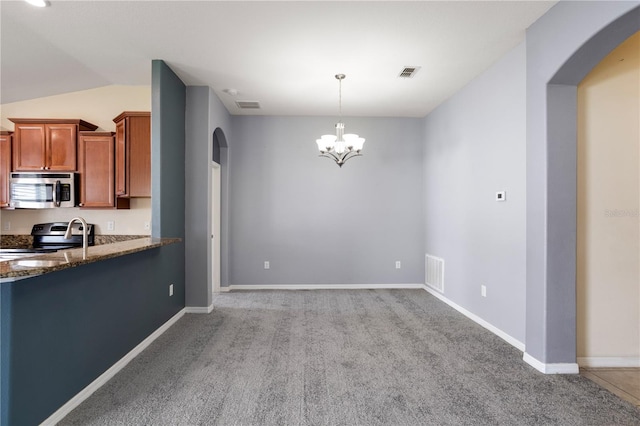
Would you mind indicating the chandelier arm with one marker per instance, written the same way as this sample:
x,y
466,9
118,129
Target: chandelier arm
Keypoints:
x,y
331,156
351,155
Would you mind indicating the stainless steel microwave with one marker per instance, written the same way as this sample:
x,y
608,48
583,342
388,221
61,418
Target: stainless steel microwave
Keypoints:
x,y
36,190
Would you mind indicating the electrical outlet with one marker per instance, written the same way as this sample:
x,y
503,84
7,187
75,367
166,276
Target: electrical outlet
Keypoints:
x,y
170,289
398,264
501,196
6,226
266,264
147,225
483,290
111,225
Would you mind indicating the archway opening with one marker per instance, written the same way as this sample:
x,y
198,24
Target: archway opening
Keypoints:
x,y
218,208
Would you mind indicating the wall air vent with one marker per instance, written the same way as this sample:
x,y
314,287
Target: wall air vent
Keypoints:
x,y
248,104
408,72
434,272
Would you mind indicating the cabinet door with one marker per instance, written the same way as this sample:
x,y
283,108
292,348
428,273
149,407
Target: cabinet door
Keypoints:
x,y
29,147
61,147
96,161
121,158
139,151
5,169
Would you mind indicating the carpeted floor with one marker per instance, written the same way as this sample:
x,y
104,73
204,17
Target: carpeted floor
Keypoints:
x,y
341,357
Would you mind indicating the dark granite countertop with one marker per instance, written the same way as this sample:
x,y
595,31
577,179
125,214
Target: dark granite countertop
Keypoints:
x,y
11,270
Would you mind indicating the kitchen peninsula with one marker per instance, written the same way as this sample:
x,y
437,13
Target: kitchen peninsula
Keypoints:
x,y
66,321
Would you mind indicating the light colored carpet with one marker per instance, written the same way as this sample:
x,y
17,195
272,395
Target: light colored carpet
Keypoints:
x,y
340,357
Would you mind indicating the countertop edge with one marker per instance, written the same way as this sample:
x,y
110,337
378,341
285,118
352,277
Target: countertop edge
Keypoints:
x,y
14,270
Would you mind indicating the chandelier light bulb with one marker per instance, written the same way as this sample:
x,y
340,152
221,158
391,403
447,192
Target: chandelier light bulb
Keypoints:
x,y
37,3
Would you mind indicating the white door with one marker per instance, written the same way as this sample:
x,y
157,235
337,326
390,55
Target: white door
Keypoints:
x,y
215,227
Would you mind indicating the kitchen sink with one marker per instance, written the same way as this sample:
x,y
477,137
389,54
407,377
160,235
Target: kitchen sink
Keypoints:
x,y
39,263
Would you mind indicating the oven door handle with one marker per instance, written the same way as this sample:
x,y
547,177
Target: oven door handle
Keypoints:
x,y
56,194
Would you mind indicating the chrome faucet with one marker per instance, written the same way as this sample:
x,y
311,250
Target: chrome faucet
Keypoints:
x,y
67,234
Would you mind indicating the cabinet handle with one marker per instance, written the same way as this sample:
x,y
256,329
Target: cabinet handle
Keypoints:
x,y
80,204
42,168
47,168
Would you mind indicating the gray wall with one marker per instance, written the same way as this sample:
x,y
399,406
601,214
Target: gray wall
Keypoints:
x,y
204,113
562,47
315,222
474,146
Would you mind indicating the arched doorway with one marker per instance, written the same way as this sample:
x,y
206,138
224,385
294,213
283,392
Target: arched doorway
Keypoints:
x,y
608,268
218,218
551,170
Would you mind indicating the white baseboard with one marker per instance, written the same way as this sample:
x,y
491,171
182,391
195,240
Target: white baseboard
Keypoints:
x,y
495,330
556,368
107,375
199,309
609,362
322,286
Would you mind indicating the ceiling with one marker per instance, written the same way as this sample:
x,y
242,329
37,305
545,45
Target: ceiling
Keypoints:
x,y
282,54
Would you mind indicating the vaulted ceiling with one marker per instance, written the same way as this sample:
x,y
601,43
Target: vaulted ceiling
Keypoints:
x,y
283,55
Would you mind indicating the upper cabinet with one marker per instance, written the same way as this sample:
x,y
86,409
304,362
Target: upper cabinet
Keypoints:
x,y
96,167
5,167
133,154
46,144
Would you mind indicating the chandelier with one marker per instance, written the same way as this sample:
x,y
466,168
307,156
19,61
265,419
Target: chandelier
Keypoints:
x,y
340,147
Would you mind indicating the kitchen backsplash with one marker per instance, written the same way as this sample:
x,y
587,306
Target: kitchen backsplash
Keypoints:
x,y
135,221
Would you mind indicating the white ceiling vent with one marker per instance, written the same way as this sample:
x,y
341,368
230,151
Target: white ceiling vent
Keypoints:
x,y
248,104
408,72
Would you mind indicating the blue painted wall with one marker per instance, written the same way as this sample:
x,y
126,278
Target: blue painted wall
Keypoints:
x,y
67,328
168,103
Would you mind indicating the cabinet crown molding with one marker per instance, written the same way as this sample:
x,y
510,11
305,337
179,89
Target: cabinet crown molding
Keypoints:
x,y
82,125
126,114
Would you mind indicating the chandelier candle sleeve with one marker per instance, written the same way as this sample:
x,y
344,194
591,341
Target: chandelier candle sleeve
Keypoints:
x,y
340,147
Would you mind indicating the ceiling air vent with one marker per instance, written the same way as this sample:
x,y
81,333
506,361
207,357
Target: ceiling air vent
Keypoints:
x,y
248,104
408,72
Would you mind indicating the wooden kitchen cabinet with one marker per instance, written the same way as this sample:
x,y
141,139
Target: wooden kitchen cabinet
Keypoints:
x,y
96,167
46,144
5,167
133,154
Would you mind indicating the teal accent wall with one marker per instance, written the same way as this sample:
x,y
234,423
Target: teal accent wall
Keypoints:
x,y
64,329
168,105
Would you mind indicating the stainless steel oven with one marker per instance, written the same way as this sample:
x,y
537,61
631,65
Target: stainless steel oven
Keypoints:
x,y
42,190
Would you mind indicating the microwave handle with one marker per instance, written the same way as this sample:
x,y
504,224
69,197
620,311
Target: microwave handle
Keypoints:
x,y
56,194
